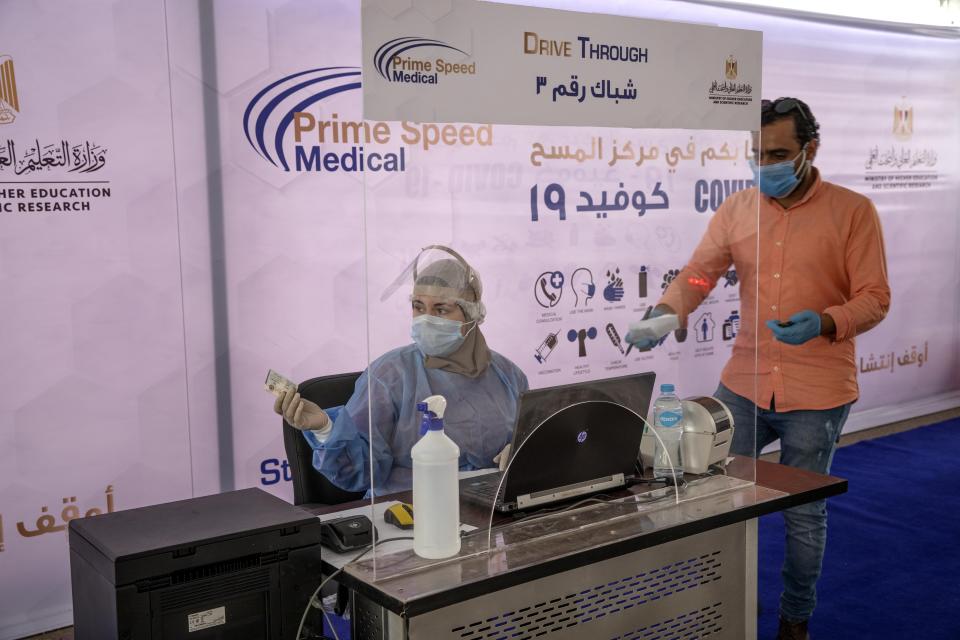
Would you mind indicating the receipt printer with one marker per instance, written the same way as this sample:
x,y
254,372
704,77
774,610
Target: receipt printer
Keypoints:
x,y
231,566
707,435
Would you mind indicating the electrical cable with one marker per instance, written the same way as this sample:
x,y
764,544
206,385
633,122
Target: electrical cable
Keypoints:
x,y
312,599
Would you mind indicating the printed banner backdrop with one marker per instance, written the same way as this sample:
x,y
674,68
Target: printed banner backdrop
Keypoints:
x,y
138,331
93,412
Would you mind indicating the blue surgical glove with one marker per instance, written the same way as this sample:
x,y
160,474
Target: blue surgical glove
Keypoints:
x,y
803,326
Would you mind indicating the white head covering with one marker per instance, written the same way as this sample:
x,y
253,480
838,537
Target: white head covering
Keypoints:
x,y
441,272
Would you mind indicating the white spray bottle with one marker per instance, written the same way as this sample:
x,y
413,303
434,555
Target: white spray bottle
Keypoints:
x,y
436,487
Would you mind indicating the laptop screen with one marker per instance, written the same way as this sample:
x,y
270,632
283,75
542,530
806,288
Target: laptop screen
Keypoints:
x,y
572,438
633,392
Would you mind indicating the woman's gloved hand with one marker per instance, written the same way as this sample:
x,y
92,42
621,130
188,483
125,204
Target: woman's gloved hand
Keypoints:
x,y
302,414
502,458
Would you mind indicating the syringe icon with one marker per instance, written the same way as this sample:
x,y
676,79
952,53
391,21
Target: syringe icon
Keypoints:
x,y
546,348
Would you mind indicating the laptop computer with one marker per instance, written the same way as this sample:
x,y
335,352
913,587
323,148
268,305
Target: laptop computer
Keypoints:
x,y
569,441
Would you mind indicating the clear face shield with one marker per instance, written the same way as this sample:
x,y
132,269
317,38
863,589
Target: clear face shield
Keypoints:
x,y
440,279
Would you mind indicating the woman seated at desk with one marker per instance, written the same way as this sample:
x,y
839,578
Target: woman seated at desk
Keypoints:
x,y
449,357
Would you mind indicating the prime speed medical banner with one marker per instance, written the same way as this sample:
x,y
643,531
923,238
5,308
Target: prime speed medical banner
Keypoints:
x,y
487,62
127,321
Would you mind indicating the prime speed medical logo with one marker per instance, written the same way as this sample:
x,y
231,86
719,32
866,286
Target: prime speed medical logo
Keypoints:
x,y
272,112
396,61
286,124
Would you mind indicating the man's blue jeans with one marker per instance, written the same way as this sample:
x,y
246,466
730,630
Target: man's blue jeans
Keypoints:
x,y
808,439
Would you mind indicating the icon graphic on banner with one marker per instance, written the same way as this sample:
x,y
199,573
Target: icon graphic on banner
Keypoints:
x,y
730,278
9,100
730,68
643,282
667,237
613,292
574,336
546,348
614,336
581,281
903,120
548,289
669,277
731,326
393,67
704,327
680,335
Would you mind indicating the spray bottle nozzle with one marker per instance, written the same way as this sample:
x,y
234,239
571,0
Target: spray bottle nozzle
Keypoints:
x,y
432,409
436,405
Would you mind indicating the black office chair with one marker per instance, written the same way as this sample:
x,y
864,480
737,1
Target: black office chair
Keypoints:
x,y
309,485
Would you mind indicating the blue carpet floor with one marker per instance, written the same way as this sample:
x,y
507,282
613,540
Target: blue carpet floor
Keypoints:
x,y
892,564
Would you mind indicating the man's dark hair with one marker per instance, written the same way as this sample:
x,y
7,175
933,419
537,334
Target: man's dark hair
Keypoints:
x,y
804,123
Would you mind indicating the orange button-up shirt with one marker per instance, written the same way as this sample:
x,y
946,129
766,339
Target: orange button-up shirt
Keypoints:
x,y
825,253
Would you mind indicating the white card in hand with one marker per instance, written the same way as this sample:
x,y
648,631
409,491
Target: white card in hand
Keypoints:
x,y
277,384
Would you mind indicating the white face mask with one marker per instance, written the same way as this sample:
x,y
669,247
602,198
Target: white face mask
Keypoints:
x,y
436,336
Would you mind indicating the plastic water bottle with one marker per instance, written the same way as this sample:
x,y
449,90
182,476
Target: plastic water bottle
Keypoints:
x,y
668,422
436,491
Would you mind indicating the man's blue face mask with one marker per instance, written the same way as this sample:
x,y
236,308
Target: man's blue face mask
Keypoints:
x,y
436,336
780,179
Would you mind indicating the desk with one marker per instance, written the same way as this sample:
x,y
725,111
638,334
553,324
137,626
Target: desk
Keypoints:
x,y
629,569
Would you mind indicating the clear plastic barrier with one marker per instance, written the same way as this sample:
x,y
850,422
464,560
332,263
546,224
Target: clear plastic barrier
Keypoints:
x,y
531,288
506,277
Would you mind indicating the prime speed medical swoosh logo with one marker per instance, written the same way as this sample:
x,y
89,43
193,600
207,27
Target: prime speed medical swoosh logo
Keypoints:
x,y
393,51
270,113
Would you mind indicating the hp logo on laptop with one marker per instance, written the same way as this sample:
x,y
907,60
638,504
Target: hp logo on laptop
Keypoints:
x,y
582,437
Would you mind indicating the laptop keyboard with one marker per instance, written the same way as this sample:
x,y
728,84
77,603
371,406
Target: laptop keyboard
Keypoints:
x,y
482,488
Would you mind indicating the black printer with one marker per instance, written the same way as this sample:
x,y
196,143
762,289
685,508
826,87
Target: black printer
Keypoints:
x,y
241,564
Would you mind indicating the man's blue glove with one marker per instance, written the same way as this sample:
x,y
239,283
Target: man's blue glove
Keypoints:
x,y
801,327
648,333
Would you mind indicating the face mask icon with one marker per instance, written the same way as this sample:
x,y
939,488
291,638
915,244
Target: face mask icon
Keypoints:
x,y
581,281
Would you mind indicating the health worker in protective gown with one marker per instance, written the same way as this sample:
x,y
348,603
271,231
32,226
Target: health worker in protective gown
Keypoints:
x,y
449,356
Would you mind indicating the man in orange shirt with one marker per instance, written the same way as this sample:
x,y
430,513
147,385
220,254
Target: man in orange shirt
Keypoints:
x,y
814,279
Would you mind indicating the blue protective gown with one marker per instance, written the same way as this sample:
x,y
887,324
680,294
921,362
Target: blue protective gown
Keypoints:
x,y
479,418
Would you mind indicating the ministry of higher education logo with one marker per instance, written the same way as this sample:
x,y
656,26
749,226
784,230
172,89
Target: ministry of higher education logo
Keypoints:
x,y
902,120
730,68
728,90
9,102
